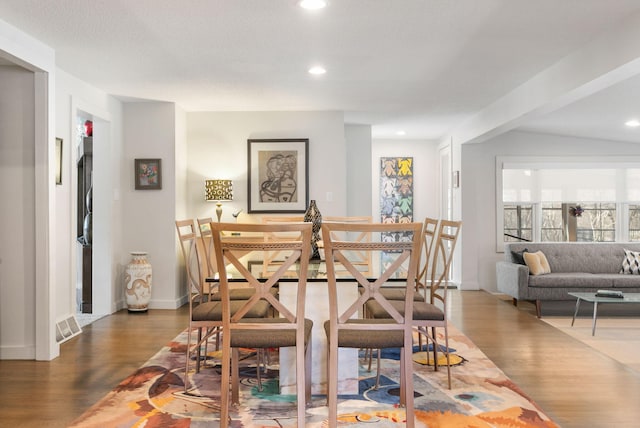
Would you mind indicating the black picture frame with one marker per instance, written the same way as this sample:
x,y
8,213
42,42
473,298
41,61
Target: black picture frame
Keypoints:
x,y
148,174
278,175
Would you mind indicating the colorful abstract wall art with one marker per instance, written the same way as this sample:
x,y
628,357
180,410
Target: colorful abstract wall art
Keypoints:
x,y
396,194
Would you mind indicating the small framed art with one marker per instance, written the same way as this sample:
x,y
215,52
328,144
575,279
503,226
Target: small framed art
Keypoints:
x,y
148,174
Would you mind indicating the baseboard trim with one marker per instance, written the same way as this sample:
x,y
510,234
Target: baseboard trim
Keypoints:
x,y
18,352
168,304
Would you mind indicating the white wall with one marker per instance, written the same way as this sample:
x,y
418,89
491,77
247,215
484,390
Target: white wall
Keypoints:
x,y
38,58
148,215
478,191
425,174
17,215
181,167
358,141
217,148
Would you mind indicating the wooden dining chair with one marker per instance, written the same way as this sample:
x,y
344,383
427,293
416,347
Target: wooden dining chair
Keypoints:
x,y
347,328
429,235
204,227
361,259
205,314
431,314
208,254
397,293
290,328
272,259
188,239
429,231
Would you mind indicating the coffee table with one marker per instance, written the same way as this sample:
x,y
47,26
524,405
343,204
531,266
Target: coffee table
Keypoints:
x,y
592,298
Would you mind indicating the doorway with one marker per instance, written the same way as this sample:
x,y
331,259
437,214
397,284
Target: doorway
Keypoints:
x,y
96,182
84,215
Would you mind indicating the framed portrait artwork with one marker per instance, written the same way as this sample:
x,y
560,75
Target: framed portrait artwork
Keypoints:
x,y
148,174
278,175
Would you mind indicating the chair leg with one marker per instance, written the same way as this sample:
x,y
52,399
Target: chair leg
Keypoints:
x,y
407,366
332,384
259,362
235,377
446,344
435,349
188,359
307,373
403,376
377,385
198,350
224,382
301,382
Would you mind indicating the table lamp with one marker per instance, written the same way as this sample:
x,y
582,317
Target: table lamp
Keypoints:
x,y
217,191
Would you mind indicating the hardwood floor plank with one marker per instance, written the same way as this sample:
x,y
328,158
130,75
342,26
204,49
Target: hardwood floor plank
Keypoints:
x,y
54,393
574,384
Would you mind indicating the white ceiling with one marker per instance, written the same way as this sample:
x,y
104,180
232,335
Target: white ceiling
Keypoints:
x,y
423,66
601,115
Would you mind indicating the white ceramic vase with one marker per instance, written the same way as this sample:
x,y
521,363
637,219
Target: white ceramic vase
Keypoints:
x,y
138,282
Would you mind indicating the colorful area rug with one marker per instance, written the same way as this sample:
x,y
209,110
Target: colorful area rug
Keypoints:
x,y
481,396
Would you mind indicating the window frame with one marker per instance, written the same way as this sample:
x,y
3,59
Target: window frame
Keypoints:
x,y
620,163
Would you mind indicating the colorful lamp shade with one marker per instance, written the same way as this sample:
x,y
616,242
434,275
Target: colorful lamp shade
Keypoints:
x,y
218,190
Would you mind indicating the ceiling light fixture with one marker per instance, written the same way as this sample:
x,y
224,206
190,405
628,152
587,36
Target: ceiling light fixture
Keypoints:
x,y
317,70
633,123
312,4
401,133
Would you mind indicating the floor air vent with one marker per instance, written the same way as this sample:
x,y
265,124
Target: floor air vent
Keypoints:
x,y
67,328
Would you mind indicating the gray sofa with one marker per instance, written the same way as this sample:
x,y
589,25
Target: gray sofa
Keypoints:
x,y
575,267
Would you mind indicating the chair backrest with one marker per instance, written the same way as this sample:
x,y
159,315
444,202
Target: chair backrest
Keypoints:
x,y
429,231
271,259
362,259
445,244
295,252
188,239
206,243
404,255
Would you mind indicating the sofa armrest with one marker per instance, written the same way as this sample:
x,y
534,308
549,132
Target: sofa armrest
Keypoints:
x,y
513,279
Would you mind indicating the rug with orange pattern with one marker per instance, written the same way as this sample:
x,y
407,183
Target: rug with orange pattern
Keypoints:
x,y
481,395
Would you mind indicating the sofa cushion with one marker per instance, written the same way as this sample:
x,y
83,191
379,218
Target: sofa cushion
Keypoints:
x,y
631,262
626,281
572,280
537,263
518,256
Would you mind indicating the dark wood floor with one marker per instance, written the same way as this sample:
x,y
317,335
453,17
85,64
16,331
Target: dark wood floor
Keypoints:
x,y
576,386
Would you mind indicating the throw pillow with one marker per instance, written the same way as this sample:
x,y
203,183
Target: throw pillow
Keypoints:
x,y
518,256
631,262
537,263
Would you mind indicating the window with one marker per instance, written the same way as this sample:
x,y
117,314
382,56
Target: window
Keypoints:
x,y
597,223
558,222
634,222
518,223
551,226
537,197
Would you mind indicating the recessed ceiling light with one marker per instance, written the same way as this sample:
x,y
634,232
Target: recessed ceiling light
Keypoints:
x,y
401,133
312,4
633,123
317,70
